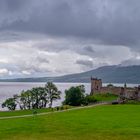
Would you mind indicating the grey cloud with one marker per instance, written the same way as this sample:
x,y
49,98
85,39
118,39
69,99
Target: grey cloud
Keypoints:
x,y
89,49
106,21
129,62
59,45
86,63
12,5
52,47
64,31
21,58
35,65
13,11
43,60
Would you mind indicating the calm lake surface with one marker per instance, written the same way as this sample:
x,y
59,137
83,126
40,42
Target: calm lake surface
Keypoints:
x,y
8,89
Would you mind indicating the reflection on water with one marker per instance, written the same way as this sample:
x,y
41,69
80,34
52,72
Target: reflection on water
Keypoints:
x,y
8,89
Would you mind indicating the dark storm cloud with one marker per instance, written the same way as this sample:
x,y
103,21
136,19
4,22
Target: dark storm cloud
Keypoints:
x,y
12,5
114,22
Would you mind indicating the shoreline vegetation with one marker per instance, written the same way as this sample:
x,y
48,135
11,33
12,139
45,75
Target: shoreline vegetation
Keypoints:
x,y
35,98
43,97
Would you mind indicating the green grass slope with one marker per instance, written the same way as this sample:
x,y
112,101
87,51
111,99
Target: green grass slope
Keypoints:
x,y
22,112
106,122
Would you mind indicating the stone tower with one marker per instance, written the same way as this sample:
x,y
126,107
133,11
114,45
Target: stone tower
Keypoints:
x,y
96,85
123,93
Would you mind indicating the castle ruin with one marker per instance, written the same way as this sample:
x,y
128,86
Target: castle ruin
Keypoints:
x,y
123,92
96,85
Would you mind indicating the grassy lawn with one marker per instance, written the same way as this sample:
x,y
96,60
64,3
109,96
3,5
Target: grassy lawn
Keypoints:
x,y
30,112
21,112
108,122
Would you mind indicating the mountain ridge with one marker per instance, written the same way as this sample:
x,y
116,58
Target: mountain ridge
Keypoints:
x,y
109,74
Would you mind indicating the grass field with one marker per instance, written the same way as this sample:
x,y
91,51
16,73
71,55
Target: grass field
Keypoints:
x,y
108,122
21,112
30,112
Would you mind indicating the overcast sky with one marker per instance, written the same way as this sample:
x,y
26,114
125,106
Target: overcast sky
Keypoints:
x,y
57,37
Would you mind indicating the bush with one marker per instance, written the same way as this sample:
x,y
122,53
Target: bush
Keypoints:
x,y
65,107
89,99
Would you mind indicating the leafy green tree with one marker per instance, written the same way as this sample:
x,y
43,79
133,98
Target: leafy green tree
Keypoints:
x,y
33,99
75,96
39,97
10,104
17,100
25,99
53,92
43,98
110,85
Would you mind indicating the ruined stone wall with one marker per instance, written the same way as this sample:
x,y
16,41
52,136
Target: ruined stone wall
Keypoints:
x,y
117,90
127,92
113,90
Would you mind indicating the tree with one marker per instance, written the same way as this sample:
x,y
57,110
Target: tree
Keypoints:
x,y
17,100
110,85
53,92
25,99
39,97
75,96
10,104
35,98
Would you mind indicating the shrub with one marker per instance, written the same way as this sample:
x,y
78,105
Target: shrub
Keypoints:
x,y
89,99
66,107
